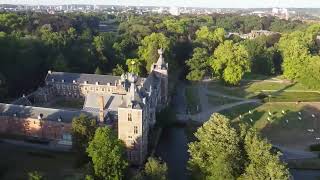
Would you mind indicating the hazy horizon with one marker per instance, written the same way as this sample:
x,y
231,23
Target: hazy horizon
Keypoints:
x,y
179,3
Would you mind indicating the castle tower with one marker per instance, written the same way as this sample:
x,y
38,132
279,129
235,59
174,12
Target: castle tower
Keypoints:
x,y
160,69
132,124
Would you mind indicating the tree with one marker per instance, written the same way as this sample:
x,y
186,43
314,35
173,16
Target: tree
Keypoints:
x,y
295,53
262,164
210,39
118,70
3,87
134,66
215,154
83,129
260,55
225,150
108,154
60,63
98,71
155,169
35,175
230,61
198,64
148,51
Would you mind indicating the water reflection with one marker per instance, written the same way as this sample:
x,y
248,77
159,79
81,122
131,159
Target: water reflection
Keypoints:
x,y
173,149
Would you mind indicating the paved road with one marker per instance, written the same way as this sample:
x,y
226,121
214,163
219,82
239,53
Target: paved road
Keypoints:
x,y
205,115
291,154
206,108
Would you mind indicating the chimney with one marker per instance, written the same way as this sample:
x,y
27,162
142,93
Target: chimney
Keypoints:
x,y
101,109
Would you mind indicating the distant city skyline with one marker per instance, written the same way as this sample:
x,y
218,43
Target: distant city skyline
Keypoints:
x,y
180,3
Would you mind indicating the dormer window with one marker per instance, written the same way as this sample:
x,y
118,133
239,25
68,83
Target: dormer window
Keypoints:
x,y
74,81
62,80
97,83
52,80
60,119
85,82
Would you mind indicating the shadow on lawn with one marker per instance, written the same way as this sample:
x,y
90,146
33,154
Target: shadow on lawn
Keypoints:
x,y
294,128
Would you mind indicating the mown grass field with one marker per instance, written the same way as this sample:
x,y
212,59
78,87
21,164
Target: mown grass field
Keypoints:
x,y
219,100
287,124
279,92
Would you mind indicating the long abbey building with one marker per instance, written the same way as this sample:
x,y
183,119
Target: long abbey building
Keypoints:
x,y
126,103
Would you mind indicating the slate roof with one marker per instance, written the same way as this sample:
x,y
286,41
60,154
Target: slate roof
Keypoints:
x,y
111,102
81,78
47,113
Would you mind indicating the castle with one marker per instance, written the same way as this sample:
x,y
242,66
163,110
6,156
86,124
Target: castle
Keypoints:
x,y
127,103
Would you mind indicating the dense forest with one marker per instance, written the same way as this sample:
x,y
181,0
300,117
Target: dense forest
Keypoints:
x,y
197,46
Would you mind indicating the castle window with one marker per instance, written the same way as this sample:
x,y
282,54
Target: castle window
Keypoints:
x,y
129,117
135,129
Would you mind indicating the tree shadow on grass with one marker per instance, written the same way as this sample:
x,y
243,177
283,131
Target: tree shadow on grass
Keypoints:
x,y
294,128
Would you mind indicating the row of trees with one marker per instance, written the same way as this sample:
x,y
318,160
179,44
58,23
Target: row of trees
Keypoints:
x,y
226,151
301,59
32,43
294,54
214,54
223,150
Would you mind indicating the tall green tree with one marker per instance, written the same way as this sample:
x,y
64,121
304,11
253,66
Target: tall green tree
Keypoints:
x,y
134,66
154,169
198,64
215,154
210,39
295,53
262,163
108,154
230,61
83,129
260,55
233,151
148,51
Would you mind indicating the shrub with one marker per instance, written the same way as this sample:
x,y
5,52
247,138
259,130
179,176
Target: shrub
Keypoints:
x,y
315,147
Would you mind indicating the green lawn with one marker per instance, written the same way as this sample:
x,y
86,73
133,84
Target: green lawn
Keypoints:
x,y
193,100
281,128
219,100
68,103
17,161
293,97
277,91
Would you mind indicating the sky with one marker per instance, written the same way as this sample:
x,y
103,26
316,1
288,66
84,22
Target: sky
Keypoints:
x,y
181,3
